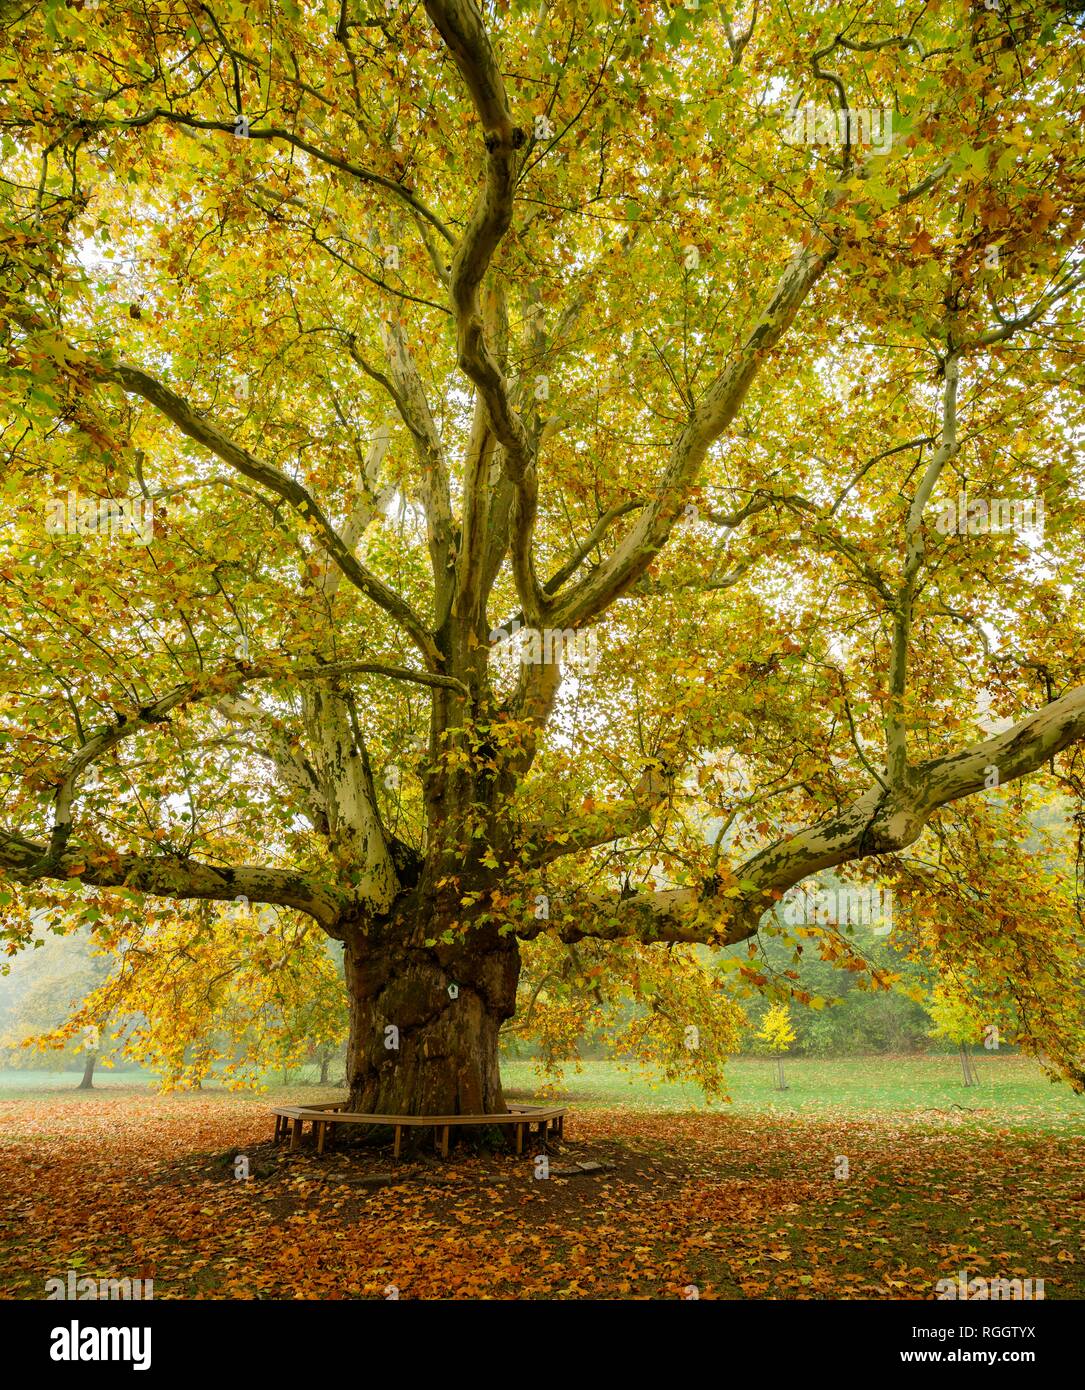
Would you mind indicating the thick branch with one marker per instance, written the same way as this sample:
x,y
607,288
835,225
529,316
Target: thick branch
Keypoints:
x,y
711,416
896,739
433,482
173,876
460,26
717,408
881,821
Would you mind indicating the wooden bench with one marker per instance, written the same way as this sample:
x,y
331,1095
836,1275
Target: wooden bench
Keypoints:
x,y
324,1119
285,1113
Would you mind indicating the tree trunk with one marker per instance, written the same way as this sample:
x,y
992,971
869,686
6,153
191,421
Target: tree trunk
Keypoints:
x,y
425,1020
970,1077
324,1063
87,1084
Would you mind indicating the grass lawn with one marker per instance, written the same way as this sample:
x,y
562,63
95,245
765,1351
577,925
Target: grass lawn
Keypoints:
x,y
23,1085
1013,1091
742,1200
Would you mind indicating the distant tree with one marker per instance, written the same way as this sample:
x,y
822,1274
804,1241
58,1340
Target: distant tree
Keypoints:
x,y
53,983
315,1026
245,986
778,1035
92,1041
953,1017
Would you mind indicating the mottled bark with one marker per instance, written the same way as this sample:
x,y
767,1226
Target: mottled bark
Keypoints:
x,y
425,1019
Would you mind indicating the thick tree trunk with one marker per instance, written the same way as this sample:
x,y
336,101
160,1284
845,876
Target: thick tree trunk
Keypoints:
x,y
87,1084
425,1020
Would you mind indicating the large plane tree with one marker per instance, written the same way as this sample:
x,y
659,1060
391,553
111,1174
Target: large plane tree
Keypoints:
x,y
541,480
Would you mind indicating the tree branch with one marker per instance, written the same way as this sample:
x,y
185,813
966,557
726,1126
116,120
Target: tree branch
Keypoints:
x,y
613,821
177,409
289,137
881,821
896,738
461,27
172,876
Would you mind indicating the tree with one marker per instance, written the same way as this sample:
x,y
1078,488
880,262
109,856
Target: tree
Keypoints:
x,y
453,453
777,1034
952,1017
57,980
250,988
91,1046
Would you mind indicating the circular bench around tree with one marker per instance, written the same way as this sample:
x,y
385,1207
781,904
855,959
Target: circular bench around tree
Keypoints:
x,y
325,1117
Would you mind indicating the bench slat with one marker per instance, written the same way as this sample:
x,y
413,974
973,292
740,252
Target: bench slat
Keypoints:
x,y
349,1117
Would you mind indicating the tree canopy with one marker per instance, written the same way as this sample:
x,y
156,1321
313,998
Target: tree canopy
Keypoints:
x,y
546,477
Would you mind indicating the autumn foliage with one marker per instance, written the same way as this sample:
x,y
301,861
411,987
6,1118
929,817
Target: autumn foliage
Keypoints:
x,y
479,490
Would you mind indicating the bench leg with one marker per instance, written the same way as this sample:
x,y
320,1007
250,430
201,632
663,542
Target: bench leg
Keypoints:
x,y
295,1138
320,1128
277,1122
519,1138
444,1141
397,1141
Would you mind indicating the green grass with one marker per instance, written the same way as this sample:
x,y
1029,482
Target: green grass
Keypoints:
x,y
41,1085
1013,1091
